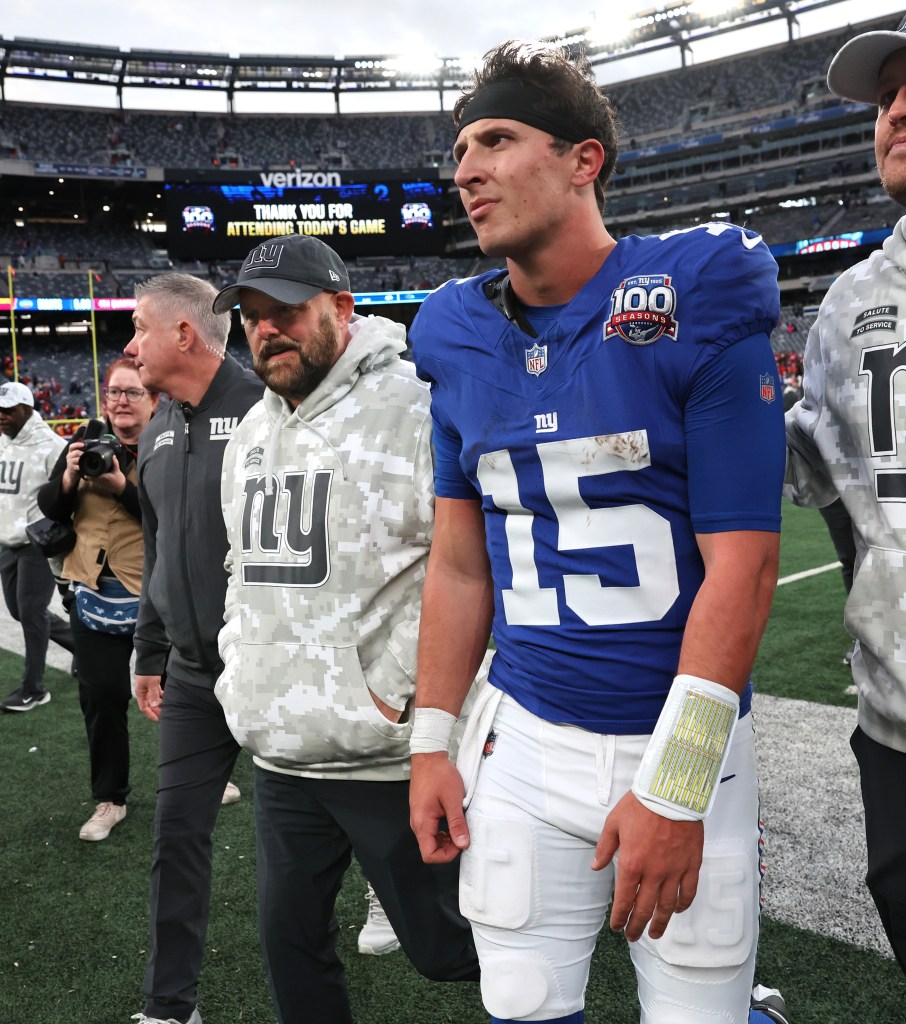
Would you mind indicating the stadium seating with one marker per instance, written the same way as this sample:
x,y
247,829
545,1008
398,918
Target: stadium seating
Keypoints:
x,y
757,139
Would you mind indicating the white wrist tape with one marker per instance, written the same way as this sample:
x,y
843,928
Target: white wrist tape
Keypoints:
x,y
681,768
432,729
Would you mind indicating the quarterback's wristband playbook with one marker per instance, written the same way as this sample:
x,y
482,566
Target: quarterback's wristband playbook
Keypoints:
x,y
432,729
681,768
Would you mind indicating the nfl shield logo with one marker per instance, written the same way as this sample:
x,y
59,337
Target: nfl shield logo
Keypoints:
x,y
536,360
767,387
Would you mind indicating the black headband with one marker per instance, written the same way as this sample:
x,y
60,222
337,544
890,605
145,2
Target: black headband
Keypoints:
x,y
521,101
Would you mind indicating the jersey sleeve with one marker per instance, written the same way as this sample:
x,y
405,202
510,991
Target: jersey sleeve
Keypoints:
x,y
449,479
735,440
736,293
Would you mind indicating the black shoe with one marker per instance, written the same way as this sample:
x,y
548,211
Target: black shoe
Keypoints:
x,y
18,701
770,1004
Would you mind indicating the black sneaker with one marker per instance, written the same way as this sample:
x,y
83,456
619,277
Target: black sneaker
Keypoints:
x,y
768,1005
18,701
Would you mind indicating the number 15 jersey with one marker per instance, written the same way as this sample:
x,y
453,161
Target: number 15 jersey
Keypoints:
x,y
647,411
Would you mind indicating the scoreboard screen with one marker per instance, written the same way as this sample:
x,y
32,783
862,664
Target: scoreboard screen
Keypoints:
x,y
211,222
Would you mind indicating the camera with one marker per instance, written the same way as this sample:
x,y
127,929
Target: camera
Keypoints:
x,y
99,454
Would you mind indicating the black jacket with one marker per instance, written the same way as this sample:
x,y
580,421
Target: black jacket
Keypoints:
x,y
184,582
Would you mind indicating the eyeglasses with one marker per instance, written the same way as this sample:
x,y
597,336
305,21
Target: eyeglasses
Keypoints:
x,y
132,394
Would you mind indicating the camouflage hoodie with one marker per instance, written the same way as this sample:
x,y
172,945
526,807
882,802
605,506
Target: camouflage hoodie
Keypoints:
x,y
25,464
329,511
846,437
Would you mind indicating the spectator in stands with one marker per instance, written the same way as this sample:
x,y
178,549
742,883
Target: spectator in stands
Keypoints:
x,y
28,451
845,440
180,348
105,569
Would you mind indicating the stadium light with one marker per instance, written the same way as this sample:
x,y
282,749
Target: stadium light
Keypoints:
x,y
712,8
414,64
612,30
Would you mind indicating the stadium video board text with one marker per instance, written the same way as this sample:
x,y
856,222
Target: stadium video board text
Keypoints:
x,y
210,222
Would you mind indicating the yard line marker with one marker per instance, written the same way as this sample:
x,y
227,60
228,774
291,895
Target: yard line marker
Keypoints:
x,y
809,572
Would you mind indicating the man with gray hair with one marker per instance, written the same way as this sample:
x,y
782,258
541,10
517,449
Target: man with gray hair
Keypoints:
x,y
180,348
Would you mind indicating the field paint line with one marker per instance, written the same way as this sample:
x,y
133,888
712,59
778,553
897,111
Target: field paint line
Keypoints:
x,y
809,572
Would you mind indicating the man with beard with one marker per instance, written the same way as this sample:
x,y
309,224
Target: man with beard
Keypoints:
x,y
329,508
180,349
845,440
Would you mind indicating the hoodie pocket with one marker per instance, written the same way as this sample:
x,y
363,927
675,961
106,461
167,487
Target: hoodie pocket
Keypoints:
x,y
307,705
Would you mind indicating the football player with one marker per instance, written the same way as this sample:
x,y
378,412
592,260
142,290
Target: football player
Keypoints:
x,y
609,455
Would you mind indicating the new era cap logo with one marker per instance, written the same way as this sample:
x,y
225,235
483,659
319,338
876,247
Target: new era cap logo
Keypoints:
x,y
334,276
265,257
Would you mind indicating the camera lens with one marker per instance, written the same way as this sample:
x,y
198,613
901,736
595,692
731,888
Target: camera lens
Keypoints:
x,y
96,461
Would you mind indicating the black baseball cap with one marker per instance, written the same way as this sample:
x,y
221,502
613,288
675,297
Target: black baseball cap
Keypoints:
x,y
289,268
854,72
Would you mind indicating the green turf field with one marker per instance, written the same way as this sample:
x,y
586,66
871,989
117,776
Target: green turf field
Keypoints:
x,y
73,915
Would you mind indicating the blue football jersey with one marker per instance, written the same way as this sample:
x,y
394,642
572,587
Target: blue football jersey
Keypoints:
x,y
646,412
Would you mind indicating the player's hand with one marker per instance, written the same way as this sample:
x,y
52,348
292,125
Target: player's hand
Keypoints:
x,y
436,792
149,696
658,866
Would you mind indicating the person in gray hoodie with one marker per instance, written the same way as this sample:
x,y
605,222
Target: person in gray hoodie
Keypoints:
x,y
328,502
845,439
28,450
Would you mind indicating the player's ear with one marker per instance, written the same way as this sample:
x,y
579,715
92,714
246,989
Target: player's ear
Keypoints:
x,y
589,157
186,335
344,304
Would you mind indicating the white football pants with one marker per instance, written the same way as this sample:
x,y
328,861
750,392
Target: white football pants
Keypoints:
x,y
536,907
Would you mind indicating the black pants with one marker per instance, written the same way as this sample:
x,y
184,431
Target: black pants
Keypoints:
x,y
197,756
105,689
27,589
883,774
306,832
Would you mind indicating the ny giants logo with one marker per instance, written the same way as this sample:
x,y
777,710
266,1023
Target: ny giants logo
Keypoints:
x,y
642,310
274,526
11,476
222,427
265,257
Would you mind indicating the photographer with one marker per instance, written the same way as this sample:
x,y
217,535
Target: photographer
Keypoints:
x,y
93,486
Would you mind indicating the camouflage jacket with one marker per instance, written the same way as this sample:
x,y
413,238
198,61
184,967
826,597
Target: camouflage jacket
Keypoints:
x,y
846,437
25,464
329,511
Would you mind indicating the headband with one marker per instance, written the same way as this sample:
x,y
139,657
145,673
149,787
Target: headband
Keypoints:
x,y
521,101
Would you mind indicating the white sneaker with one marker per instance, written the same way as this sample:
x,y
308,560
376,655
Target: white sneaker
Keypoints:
x,y
98,826
230,796
378,936
142,1019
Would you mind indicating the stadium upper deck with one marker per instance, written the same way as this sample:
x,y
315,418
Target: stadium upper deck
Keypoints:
x,y
755,139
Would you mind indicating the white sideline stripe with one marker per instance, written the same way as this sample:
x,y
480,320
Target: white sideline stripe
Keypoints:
x,y
809,572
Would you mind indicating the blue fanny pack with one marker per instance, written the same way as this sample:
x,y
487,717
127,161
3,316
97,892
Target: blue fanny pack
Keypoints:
x,y
109,609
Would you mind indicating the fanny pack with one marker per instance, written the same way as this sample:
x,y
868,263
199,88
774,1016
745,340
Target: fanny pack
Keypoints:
x,y
109,609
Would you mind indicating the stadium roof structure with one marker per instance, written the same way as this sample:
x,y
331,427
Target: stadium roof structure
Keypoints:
x,y
676,24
